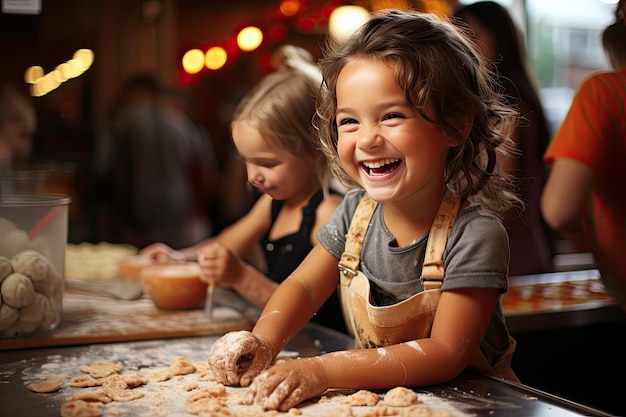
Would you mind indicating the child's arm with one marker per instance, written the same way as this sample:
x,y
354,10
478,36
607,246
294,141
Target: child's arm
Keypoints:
x,y
460,323
239,357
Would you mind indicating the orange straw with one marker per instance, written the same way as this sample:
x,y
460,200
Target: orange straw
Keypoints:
x,y
45,221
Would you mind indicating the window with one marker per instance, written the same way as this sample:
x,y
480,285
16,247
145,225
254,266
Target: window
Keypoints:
x,y
564,45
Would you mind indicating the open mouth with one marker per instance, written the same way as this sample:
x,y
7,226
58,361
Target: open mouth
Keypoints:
x,y
381,167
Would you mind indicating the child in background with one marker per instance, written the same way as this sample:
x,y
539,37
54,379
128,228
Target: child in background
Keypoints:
x,y
411,113
272,132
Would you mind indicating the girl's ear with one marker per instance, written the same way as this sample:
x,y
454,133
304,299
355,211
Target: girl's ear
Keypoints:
x,y
464,127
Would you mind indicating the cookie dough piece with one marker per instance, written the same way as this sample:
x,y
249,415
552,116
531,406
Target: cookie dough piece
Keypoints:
x,y
17,290
80,408
400,397
181,366
101,369
362,398
117,389
51,384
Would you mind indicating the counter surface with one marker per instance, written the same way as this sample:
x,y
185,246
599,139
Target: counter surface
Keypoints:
x,y
468,395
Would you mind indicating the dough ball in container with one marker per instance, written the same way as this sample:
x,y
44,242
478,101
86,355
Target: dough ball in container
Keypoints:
x,y
17,290
31,263
8,316
31,316
12,242
6,268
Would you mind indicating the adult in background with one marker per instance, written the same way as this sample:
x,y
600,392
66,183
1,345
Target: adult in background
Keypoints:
x,y
18,123
499,40
584,197
158,170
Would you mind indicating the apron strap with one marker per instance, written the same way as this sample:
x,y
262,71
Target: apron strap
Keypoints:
x,y
351,257
432,270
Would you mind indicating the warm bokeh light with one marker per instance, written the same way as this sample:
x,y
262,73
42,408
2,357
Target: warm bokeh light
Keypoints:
x,y
215,58
32,74
42,84
289,7
193,61
249,38
345,20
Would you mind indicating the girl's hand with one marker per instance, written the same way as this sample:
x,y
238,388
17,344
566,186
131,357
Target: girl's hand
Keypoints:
x,y
286,385
220,264
160,252
238,357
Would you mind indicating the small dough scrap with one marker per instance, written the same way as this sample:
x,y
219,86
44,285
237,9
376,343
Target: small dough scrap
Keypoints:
x,y
8,316
85,381
31,263
93,395
51,384
6,268
101,369
400,397
17,290
117,389
80,408
362,398
161,376
181,366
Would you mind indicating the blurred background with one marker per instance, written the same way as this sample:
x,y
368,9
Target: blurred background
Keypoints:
x,y
112,40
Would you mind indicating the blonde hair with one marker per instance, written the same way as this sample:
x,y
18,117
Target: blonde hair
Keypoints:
x,y
282,105
448,83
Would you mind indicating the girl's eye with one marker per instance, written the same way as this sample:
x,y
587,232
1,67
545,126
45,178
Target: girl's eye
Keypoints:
x,y
393,116
346,121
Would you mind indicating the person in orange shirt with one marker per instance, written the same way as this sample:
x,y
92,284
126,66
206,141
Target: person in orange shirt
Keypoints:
x,y
584,197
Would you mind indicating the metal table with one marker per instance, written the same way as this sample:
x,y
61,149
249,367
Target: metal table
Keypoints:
x,y
472,394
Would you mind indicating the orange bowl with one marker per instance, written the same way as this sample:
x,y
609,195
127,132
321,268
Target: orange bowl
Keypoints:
x,y
174,286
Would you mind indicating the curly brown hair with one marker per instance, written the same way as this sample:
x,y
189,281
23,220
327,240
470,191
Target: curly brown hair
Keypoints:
x,y
448,83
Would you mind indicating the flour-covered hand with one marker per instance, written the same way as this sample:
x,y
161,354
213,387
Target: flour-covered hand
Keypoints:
x,y
238,357
286,385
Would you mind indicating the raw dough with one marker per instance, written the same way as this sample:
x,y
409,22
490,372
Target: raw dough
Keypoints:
x,y
101,369
51,384
6,268
400,397
17,290
31,263
8,316
80,408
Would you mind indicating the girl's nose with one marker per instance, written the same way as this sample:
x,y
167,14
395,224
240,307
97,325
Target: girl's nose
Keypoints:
x,y
254,176
370,137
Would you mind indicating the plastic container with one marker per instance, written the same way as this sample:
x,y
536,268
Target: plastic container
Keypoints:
x,y
33,239
174,286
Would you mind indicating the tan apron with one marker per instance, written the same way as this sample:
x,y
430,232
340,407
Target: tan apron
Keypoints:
x,y
410,319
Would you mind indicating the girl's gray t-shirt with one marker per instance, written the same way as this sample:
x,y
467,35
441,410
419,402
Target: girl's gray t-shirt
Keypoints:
x,y
476,256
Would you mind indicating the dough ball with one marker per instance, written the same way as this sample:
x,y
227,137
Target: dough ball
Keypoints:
x,y
17,290
6,268
12,242
33,314
31,263
12,331
8,316
51,315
